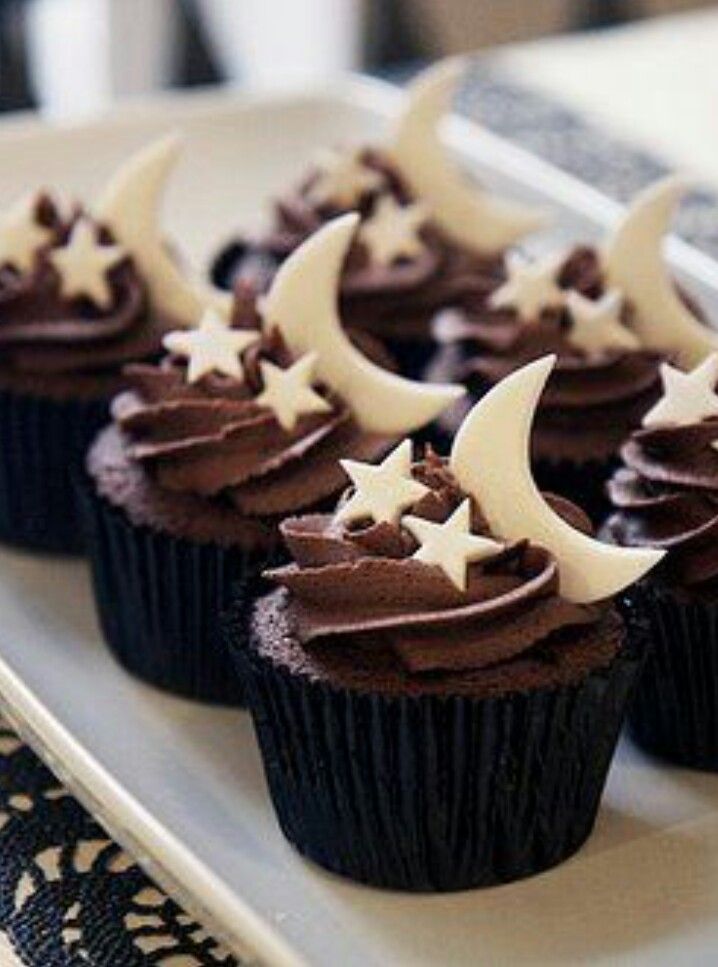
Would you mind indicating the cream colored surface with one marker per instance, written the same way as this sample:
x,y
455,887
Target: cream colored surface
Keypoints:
x,y
8,958
654,82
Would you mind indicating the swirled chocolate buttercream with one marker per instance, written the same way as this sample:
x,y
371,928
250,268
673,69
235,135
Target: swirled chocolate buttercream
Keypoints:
x,y
666,493
214,456
73,307
402,267
363,581
604,380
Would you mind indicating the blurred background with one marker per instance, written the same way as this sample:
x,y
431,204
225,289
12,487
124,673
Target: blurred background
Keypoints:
x,y
647,69
73,56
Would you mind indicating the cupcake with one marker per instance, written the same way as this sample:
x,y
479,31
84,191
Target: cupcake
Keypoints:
x,y
74,308
439,680
239,426
665,495
611,316
427,239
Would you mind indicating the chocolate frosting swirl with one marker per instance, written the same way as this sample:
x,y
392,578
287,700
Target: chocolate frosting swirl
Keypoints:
x,y
43,333
591,402
666,495
212,458
391,301
361,583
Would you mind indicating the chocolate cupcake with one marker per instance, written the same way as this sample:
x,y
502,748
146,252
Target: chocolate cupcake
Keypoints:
x,y
439,682
74,308
427,239
611,317
666,495
209,449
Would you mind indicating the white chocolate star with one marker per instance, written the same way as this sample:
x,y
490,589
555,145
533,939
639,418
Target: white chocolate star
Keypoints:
x,y
381,492
288,392
597,325
529,288
392,232
343,179
451,545
82,264
687,397
21,235
212,347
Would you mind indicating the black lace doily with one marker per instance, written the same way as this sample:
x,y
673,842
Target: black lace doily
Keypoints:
x,y
69,895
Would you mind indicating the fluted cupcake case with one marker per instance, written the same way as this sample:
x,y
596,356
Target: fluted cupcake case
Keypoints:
x,y
457,766
42,445
675,710
434,793
159,600
665,494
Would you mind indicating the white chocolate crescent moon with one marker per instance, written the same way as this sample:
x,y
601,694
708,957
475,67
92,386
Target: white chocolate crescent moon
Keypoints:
x,y
633,263
490,459
468,214
129,207
302,304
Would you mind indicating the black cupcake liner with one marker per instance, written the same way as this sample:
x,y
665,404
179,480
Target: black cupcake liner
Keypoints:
x,y
42,446
412,356
434,793
159,599
582,483
674,713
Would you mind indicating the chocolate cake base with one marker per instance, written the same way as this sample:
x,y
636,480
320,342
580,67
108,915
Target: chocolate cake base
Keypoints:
x,y
440,784
674,714
125,484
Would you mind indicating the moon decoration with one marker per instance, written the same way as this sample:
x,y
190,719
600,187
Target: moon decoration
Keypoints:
x,y
470,216
129,207
633,263
303,304
490,460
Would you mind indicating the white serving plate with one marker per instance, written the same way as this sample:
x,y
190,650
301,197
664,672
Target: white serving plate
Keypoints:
x,y
181,785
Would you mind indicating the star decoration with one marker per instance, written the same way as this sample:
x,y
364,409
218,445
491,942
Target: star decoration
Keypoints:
x,y
392,231
451,545
530,288
384,491
687,397
212,347
343,179
21,235
82,264
288,392
597,325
